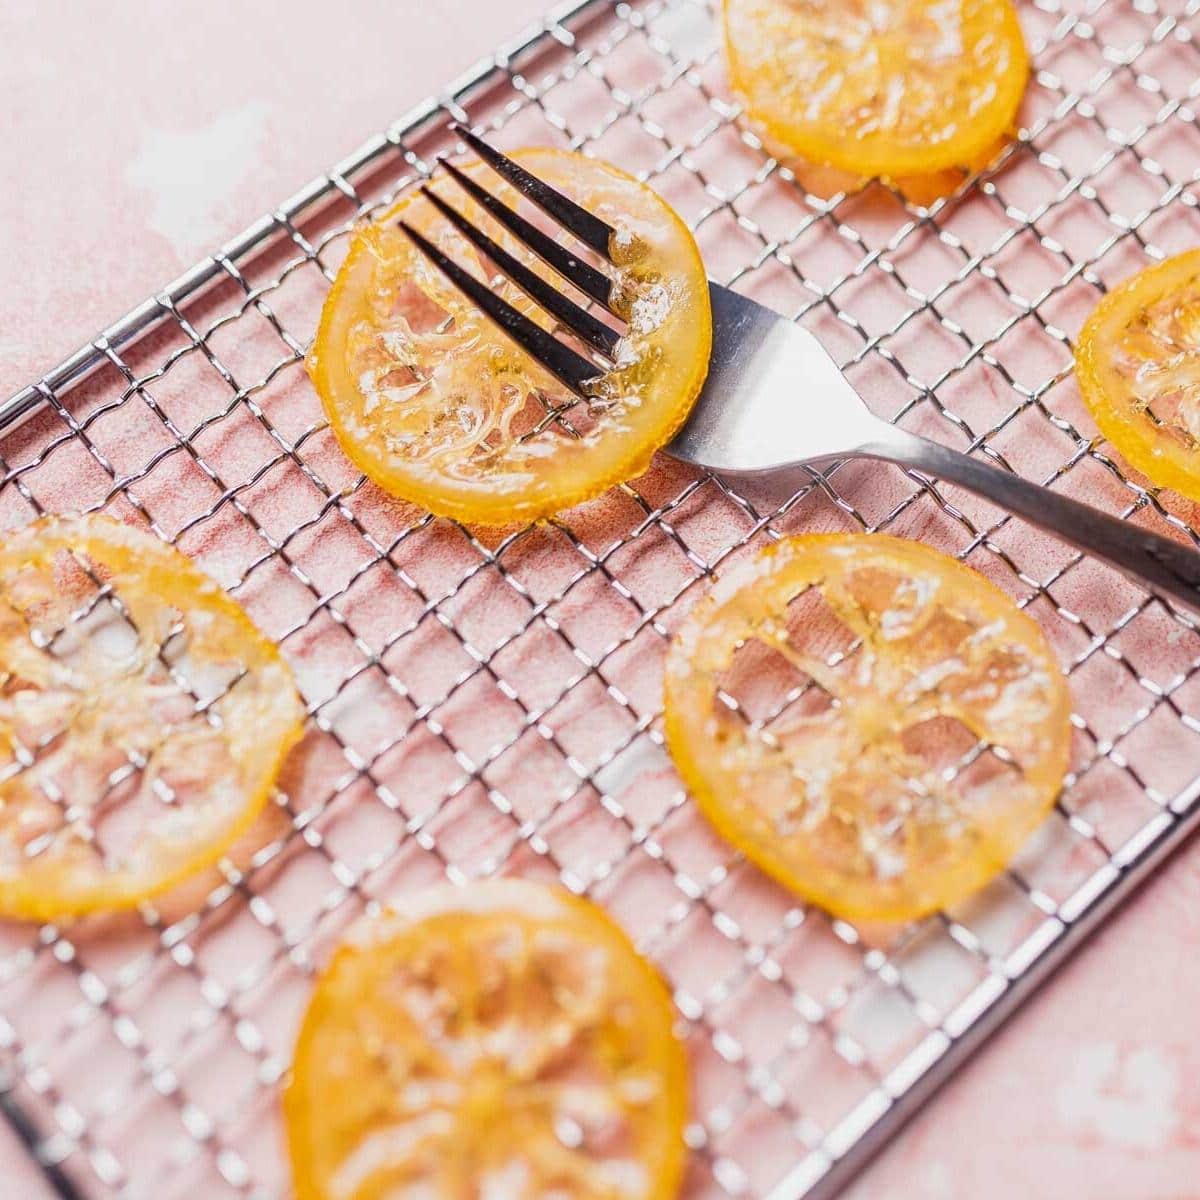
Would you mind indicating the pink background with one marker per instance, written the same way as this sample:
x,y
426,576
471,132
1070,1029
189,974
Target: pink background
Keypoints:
x,y
138,137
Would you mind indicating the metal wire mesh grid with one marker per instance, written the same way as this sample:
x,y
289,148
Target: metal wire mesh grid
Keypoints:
x,y
487,702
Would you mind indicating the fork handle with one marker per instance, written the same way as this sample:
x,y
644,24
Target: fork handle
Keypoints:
x,y
1168,567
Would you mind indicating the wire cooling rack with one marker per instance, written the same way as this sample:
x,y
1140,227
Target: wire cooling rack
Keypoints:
x,y
489,701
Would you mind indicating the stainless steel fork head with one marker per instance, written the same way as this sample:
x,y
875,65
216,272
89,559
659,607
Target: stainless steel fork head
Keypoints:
x,y
773,397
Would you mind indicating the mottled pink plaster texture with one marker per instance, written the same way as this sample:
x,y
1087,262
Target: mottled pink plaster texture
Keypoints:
x,y
139,137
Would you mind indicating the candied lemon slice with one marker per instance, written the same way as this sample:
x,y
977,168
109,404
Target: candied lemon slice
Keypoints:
x,y
143,718
879,87
1138,365
871,722
503,1039
435,405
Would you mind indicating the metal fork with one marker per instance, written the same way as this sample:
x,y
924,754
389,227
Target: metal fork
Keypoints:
x,y
773,399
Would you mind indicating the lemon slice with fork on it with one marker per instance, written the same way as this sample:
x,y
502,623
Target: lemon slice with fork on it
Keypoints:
x,y
498,1039
437,406
873,723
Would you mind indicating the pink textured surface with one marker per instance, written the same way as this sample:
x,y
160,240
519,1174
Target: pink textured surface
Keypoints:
x,y
180,124
142,136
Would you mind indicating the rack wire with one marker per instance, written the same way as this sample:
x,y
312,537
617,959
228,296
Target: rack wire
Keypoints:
x,y
488,702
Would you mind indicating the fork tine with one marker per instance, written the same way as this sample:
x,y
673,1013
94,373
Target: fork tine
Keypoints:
x,y
560,360
594,284
589,229
599,336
